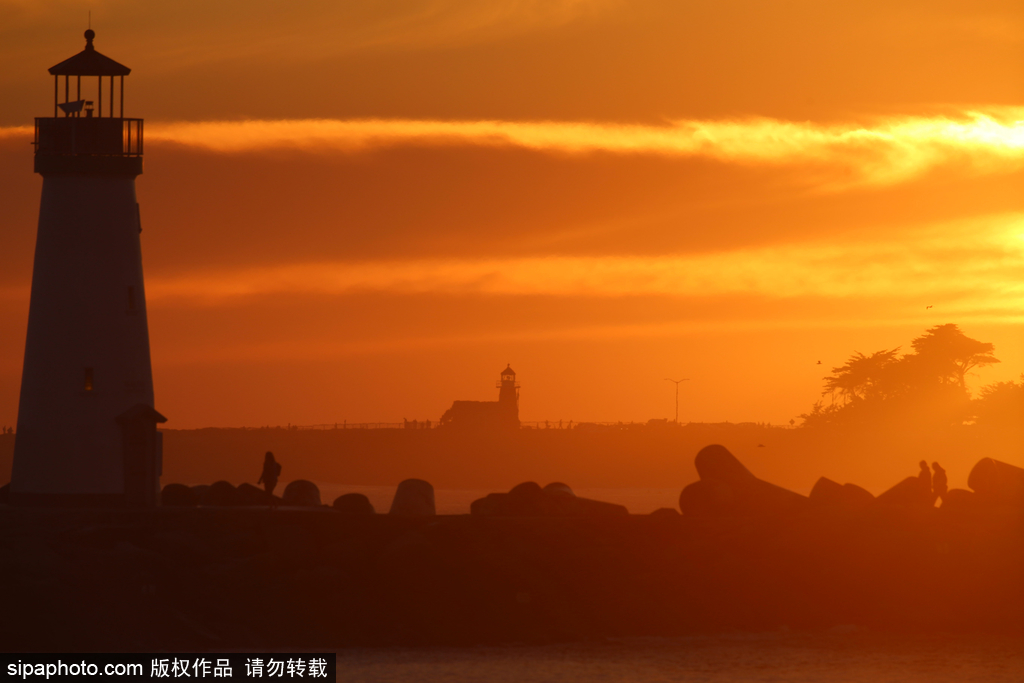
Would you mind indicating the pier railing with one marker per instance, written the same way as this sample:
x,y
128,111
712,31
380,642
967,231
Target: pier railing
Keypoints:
x,y
433,424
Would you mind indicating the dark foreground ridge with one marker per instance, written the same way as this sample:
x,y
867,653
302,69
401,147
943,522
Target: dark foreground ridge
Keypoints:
x,y
220,577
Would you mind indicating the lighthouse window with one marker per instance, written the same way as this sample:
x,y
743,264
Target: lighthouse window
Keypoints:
x,y
88,379
131,299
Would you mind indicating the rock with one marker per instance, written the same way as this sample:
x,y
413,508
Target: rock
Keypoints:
x,y
910,492
727,487
252,495
301,492
560,501
958,501
666,513
716,463
830,494
997,482
858,495
599,508
558,488
530,500
826,492
526,500
414,497
491,505
707,499
353,504
178,495
220,493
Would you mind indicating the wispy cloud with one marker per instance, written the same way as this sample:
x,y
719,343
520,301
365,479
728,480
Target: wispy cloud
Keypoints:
x,y
170,35
976,264
891,151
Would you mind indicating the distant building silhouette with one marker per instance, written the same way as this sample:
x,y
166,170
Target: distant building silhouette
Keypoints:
x,y
488,415
86,423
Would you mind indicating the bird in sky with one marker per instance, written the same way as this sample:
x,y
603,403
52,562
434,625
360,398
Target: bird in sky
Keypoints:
x,y
760,445
927,307
819,362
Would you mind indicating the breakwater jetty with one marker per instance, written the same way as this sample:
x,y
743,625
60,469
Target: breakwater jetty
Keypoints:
x,y
239,577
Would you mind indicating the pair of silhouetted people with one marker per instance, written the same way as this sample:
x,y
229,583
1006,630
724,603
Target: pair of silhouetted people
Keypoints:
x,y
933,483
271,471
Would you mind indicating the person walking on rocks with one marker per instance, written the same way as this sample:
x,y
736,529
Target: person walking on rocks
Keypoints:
x,y
925,478
940,484
271,471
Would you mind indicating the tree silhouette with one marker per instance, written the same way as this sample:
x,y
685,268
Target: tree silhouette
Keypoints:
x,y
1001,403
947,354
927,384
863,377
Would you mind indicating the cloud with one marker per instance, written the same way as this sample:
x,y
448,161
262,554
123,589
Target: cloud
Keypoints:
x,y
891,151
973,265
172,35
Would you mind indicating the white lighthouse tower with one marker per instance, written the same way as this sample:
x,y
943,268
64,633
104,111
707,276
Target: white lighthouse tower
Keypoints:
x,y
86,423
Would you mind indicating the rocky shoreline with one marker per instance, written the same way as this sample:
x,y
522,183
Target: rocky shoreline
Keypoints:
x,y
214,578
206,571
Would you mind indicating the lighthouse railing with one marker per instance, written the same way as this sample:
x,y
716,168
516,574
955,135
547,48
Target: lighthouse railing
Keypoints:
x,y
89,136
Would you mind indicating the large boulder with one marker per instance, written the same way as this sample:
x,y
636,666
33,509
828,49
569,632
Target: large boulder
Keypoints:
x,y
526,500
959,501
997,482
301,492
178,495
599,508
830,494
554,500
909,492
491,505
558,488
353,504
252,495
708,499
560,501
716,463
413,498
220,494
727,487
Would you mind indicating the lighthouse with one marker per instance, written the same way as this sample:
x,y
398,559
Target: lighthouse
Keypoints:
x,y
508,395
86,423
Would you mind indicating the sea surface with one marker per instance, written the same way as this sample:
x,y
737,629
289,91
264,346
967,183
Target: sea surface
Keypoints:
x,y
840,656
457,501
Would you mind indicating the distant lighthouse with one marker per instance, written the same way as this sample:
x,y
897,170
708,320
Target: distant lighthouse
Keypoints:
x,y
508,395
86,423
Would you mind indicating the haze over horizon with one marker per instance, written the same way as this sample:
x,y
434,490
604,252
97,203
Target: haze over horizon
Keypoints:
x,y
362,212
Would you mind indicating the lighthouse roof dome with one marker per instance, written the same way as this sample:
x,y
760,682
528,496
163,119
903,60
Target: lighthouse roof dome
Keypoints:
x,y
508,370
89,62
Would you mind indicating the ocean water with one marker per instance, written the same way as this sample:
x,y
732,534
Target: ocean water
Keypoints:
x,y
457,501
834,657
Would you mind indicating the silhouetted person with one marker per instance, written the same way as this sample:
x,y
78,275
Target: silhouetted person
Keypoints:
x,y
940,485
925,477
271,471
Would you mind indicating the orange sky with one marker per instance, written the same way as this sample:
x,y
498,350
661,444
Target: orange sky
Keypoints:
x,y
363,210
